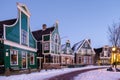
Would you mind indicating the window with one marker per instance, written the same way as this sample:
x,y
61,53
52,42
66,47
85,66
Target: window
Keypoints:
x,y
85,59
31,58
80,60
46,38
24,59
14,57
24,37
90,60
46,46
56,38
86,45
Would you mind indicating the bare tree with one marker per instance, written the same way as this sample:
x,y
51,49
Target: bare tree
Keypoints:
x,y
114,34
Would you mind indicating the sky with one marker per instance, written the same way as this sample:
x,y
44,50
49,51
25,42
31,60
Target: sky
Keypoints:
x,y
78,19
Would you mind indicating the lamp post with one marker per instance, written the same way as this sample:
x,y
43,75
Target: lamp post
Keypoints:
x,y
114,52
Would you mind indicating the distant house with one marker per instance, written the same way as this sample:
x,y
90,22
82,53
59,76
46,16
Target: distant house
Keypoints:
x,y
105,55
49,46
17,44
67,56
84,53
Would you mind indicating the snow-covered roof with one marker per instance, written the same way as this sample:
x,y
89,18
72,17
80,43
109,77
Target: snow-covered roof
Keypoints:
x,y
77,45
63,46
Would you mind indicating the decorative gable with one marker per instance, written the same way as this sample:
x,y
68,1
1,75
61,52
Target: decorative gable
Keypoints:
x,y
83,47
55,40
23,8
19,32
66,48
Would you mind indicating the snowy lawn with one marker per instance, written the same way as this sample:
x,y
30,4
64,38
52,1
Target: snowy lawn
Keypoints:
x,y
46,74
100,74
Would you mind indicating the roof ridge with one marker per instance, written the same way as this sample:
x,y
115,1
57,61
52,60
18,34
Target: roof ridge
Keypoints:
x,y
7,20
41,29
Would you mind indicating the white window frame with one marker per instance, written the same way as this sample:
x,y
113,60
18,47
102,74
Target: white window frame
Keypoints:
x,y
11,54
32,54
24,53
24,39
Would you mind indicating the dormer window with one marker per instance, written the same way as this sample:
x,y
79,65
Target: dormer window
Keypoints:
x,y
24,37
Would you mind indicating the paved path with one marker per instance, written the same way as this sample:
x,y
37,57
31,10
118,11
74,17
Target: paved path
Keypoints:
x,y
71,75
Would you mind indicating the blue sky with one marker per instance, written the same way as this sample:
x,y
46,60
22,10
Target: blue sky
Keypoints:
x,y
78,19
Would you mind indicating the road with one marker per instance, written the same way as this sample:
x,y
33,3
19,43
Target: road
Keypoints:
x,y
71,75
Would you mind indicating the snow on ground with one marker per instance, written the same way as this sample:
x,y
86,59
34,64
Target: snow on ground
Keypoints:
x,y
45,74
100,74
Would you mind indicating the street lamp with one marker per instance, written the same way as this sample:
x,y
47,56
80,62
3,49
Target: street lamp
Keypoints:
x,y
114,52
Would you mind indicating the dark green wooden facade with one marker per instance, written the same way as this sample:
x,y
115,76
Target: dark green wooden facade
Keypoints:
x,y
18,48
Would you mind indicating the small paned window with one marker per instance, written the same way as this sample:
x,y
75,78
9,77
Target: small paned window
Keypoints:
x,y
24,37
46,38
46,46
31,58
14,57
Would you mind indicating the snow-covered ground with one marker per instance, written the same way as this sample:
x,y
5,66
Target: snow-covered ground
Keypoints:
x,y
100,74
50,73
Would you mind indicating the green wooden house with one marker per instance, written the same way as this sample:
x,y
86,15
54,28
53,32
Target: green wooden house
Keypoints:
x,y
17,45
49,46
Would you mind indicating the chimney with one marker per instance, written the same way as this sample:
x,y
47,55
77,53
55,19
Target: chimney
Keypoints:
x,y
44,26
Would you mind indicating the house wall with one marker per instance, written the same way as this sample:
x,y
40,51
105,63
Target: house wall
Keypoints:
x,y
105,56
85,54
12,44
7,57
51,49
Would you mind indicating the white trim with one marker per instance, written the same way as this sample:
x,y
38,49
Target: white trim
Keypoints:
x,y
4,32
50,43
81,46
39,57
10,56
86,40
4,25
32,34
20,25
54,54
25,58
32,54
19,6
66,55
28,29
19,46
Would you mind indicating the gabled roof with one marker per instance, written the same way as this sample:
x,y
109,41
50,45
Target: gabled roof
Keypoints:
x,y
98,50
77,45
7,22
38,34
63,46
23,8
